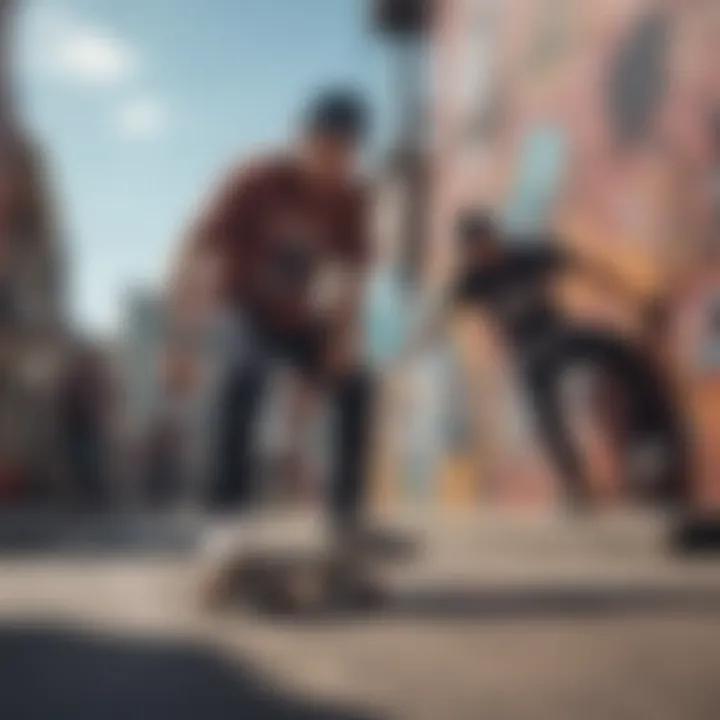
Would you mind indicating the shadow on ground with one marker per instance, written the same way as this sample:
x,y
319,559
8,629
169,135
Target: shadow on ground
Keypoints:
x,y
560,601
64,674
527,603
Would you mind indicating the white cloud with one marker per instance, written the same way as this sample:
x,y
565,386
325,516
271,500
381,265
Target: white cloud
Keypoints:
x,y
142,118
66,48
72,50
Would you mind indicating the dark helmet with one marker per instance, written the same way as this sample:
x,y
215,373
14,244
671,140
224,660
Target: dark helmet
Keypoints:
x,y
339,112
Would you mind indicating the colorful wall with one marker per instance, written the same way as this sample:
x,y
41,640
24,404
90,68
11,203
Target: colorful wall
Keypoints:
x,y
599,118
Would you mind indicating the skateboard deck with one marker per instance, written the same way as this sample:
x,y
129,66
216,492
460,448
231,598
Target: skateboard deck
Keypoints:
x,y
297,569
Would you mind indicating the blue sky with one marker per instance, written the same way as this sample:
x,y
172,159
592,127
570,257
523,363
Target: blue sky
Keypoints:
x,y
140,102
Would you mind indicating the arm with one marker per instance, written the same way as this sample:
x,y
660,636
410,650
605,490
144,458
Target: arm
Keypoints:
x,y
561,258
622,269
645,300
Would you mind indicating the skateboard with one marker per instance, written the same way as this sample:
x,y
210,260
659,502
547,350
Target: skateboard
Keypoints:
x,y
292,577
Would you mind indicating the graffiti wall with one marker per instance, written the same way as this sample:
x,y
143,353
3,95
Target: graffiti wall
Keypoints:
x,y
600,120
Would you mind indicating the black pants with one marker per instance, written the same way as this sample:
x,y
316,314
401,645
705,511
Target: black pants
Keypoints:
x,y
650,414
239,411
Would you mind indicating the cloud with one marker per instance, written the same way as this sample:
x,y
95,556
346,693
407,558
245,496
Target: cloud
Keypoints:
x,y
142,118
66,48
72,50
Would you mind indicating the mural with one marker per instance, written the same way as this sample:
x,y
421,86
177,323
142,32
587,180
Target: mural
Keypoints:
x,y
610,134
638,80
386,316
540,172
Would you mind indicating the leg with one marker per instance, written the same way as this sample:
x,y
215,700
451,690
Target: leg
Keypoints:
x,y
239,405
655,443
656,446
353,396
543,383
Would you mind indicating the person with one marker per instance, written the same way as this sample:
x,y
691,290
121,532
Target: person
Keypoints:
x,y
513,278
289,234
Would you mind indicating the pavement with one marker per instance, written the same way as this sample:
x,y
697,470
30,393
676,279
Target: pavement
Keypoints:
x,y
494,617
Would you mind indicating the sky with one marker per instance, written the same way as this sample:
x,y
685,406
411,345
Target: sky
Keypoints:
x,y
140,103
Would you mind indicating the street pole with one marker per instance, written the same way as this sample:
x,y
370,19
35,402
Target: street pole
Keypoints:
x,y
404,25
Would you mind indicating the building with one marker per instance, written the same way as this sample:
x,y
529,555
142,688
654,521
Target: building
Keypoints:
x,y
140,350
32,275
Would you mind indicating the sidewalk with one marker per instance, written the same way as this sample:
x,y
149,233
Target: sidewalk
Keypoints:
x,y
499,617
